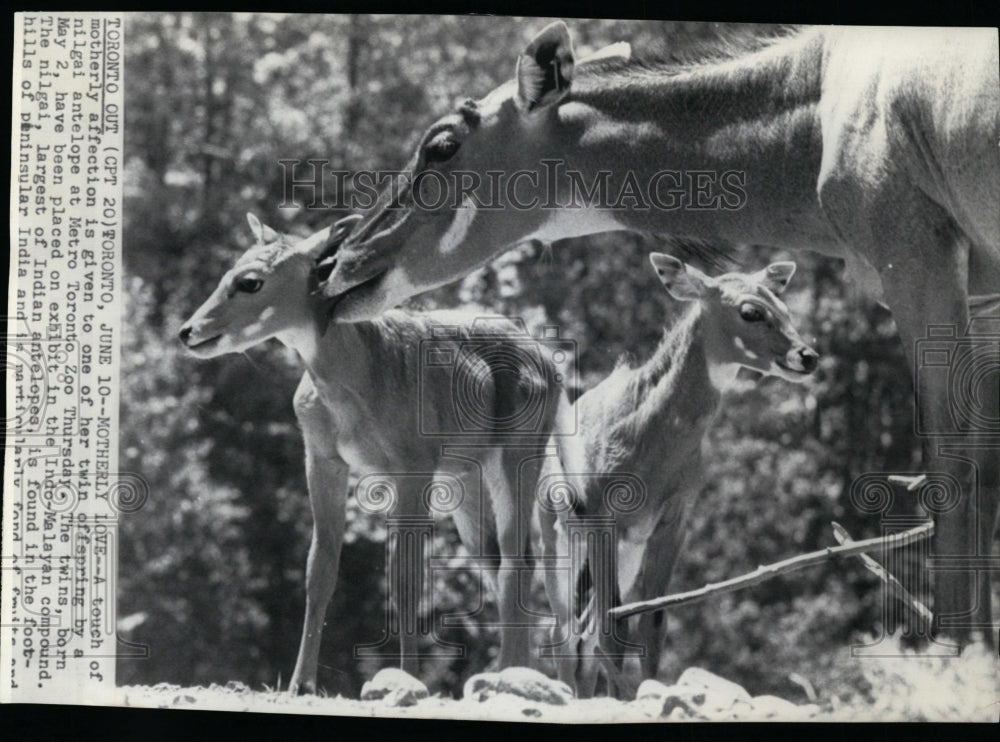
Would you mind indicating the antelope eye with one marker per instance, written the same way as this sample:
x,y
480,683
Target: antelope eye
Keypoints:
x,y
441,148
751,313
248,284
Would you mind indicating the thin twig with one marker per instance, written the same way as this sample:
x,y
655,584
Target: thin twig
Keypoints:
x,y
843,537
767,572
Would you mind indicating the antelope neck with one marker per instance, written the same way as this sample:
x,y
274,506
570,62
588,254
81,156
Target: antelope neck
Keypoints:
x,y
756,114
338,359
679,377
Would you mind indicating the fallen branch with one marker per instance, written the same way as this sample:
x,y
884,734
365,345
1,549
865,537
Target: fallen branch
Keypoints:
x,y
770,571
843,537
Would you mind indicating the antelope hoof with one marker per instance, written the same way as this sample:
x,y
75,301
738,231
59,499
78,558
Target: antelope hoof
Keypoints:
x,y
303,689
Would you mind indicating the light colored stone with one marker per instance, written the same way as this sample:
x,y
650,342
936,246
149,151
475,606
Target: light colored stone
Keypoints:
x,y
394,687
651,689
481,686
518,681
720,694
682,696
649,706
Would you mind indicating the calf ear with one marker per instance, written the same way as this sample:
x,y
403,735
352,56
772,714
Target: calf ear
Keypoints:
x,y
545,69
256,227
261,232
776,276
683,282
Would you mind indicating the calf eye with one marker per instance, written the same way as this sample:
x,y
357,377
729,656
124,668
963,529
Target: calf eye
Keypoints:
x,y
249,285
751,313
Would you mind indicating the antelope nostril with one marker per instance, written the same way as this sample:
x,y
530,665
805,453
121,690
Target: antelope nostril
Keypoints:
x,y
184,334
810,359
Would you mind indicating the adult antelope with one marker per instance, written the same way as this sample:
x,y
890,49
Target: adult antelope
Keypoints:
x,y
876,145
364,410
648,422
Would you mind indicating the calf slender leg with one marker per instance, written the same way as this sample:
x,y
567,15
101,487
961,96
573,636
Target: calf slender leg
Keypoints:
x,y
407,574
511,509
558,586
661,554
326,474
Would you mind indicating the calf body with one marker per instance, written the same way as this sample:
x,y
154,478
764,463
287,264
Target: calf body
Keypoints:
x,y
648,423
366,407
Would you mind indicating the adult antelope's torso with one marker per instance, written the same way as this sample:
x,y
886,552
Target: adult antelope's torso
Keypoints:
x,y
916,110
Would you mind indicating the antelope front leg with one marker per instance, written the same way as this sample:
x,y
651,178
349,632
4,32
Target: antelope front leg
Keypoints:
x,y
923,259
328,496
937,296
326,475
512,510
514,644
557,590
407,571
659,559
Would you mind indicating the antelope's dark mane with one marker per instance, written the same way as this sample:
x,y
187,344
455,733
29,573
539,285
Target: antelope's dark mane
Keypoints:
x,y
718,255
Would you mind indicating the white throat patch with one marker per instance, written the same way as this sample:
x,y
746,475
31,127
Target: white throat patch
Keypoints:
x,y
459,227
722,375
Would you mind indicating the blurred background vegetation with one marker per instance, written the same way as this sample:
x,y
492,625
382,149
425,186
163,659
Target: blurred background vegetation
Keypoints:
x,y
212,568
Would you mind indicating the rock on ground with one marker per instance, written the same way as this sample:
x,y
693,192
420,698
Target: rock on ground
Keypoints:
x,y
699,694
518,681
393,687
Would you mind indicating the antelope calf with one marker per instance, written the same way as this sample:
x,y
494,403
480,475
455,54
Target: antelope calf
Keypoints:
x,y
363,410
648,423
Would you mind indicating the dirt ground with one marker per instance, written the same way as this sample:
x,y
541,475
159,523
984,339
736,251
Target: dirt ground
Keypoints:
x,y
903,689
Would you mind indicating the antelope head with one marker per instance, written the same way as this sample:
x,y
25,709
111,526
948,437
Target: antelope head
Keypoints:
x,y
445,216
269,292
744,323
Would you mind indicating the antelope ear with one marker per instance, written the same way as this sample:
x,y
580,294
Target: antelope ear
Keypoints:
x,y
545,69
256,227
323,245
683,282
261,232
776,276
